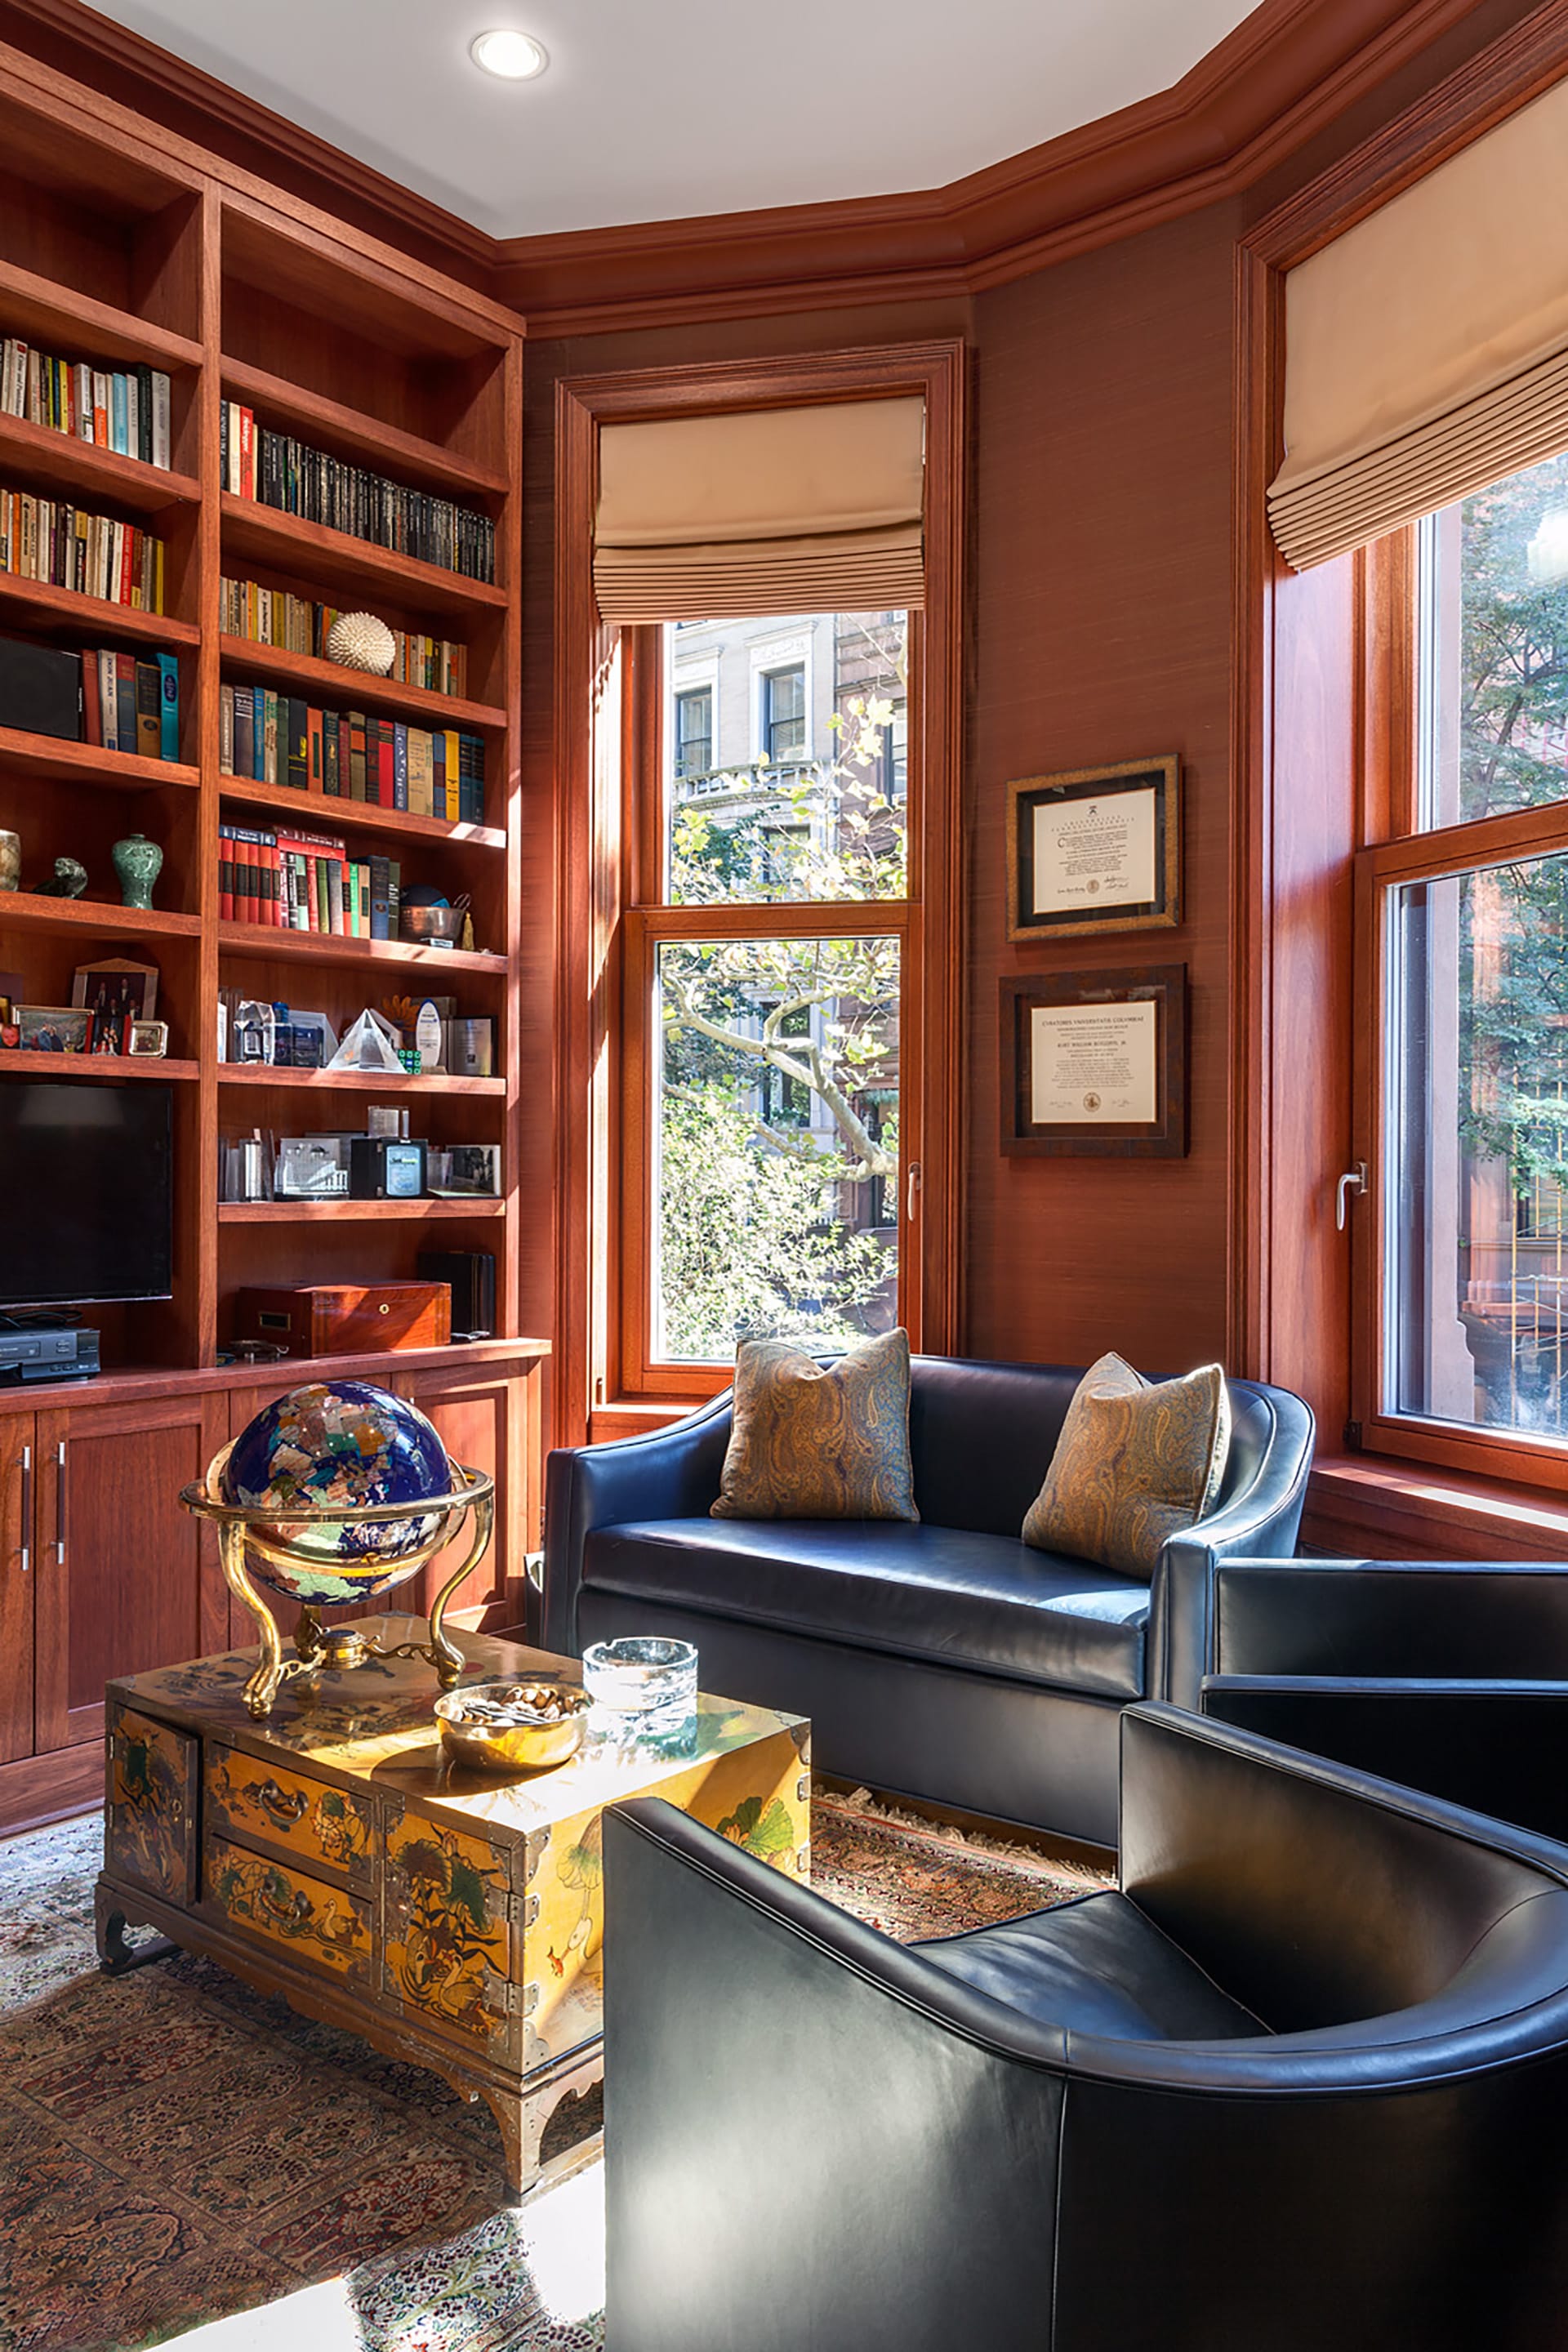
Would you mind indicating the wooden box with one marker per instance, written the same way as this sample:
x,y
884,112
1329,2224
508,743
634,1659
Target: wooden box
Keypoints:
x,y
343,1318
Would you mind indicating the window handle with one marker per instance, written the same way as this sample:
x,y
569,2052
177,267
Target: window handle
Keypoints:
x,y
24,1547
912,1189
1352,1180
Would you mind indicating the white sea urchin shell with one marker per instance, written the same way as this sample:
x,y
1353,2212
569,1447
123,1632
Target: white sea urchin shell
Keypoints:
x,y
359,641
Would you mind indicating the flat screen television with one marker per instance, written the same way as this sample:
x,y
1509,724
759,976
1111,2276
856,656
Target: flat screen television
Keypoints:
x,y
86,1193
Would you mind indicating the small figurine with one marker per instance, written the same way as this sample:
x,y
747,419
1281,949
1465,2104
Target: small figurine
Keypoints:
x,y
70,881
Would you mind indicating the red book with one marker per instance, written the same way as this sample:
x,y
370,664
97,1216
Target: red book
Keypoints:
x,y
226,849
385,786
246,453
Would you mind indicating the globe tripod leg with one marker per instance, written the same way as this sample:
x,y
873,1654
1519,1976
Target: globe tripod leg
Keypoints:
x,y
262,1688
447,1659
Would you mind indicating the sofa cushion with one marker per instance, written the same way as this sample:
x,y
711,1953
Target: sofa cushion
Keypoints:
x,y
942,1594
814,1441
1136,1462
1097,1966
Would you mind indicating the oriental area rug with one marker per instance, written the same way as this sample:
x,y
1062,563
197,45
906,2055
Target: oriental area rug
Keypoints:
x,y
182,2157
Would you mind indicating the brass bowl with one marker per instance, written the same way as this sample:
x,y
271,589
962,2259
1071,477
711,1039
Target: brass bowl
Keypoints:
x,y
532,1745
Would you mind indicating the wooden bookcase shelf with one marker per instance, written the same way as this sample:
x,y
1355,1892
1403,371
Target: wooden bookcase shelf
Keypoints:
x,y
85,474
62,762
324,813
350,432
260,944
349,1212
353,689
121,243
91,620
380,1083
348,567
67,1067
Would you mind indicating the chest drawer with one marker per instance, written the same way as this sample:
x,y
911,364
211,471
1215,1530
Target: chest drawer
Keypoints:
x,y
447,1955
328,1927
312,1820
150,1825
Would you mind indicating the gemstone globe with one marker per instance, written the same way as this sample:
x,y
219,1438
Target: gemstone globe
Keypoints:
x,y
333,1445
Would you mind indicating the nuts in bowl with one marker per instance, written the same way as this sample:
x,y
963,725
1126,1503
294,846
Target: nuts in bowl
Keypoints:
x,y
519,1726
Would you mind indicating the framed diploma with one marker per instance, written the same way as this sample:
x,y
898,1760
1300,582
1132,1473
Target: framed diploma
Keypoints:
x,y
1095,849
1094,1064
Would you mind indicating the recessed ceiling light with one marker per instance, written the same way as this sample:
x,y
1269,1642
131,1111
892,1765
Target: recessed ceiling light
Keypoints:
x,y
513,57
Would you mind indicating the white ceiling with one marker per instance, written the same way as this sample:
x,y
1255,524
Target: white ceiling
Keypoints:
x,y
662,110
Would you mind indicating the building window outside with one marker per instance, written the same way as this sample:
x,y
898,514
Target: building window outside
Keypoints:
x,y
784,713
1471,1291
694,731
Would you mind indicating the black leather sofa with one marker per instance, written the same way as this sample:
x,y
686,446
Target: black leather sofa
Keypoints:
x,y
1452,1676
1297,2086
947,1660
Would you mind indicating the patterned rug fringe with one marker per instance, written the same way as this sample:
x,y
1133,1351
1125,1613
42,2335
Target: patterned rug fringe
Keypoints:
x,y
877,1809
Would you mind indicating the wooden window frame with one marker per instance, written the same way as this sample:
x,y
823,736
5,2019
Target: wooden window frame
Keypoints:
x,y
608,728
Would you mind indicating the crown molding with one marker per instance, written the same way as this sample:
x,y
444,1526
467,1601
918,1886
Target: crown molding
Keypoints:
x,y
1284,73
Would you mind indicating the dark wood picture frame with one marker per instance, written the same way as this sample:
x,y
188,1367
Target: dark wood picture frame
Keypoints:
x,y
1027,793
1164,1137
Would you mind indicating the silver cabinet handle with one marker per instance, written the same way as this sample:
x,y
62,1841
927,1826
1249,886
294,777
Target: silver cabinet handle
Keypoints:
x,y
60,1503
26,1546
1352,1180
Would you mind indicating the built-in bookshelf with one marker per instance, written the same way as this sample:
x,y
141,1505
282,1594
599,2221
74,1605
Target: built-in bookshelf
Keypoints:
x,y
169,301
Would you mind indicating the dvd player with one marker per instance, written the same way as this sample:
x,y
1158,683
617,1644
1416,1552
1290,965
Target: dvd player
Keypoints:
x,y
47,1355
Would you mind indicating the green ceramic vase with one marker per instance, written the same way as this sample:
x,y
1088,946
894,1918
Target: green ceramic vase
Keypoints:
x,y
138,862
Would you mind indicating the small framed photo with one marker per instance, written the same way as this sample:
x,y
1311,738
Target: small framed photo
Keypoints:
x,y
1095,849
109,1033
458,1171
117,986
1094,1064
150,1038
53,1028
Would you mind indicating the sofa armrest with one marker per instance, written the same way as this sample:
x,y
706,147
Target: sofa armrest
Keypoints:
x,y
1260,1523
670,1473
789,2100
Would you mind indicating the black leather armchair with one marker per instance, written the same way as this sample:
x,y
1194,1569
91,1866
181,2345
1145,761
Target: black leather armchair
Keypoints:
x,y
1452,1676
949,1660
1298,2086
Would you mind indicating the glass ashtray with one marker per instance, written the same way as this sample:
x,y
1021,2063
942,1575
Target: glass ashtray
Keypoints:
x,y
641,1686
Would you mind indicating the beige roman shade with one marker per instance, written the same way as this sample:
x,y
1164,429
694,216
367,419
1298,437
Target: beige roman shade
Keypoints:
x,y
1426,349
721,518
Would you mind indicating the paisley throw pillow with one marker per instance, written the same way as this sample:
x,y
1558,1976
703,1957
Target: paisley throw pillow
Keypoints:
x,y
1136,1462
814,1441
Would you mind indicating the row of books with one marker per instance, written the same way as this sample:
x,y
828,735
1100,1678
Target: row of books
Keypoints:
x,y
125,410
131,705
276,470
281,739
43,539
294,881
271,617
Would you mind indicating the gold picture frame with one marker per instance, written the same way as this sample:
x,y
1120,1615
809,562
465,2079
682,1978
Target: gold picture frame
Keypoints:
x,y
1075,839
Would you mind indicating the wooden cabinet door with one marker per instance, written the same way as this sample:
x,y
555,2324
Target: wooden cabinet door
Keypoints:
x,y
123,1578
482,1418
18,1556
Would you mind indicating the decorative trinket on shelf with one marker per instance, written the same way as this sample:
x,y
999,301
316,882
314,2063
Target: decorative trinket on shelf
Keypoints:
x,y
359,641
10,860
138,862
70,880
337,1492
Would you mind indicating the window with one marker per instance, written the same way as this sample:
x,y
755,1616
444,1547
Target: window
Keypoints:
x,y
694,732
759,961
783,713
1466,1283
769,1084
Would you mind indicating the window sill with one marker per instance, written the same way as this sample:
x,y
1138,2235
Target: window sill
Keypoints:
x,y
639,1416
1371,1507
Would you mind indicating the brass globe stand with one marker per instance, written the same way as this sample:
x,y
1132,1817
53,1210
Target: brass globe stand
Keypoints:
x,y
242,1526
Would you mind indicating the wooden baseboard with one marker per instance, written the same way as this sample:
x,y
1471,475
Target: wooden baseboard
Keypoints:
x,y
40,1789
